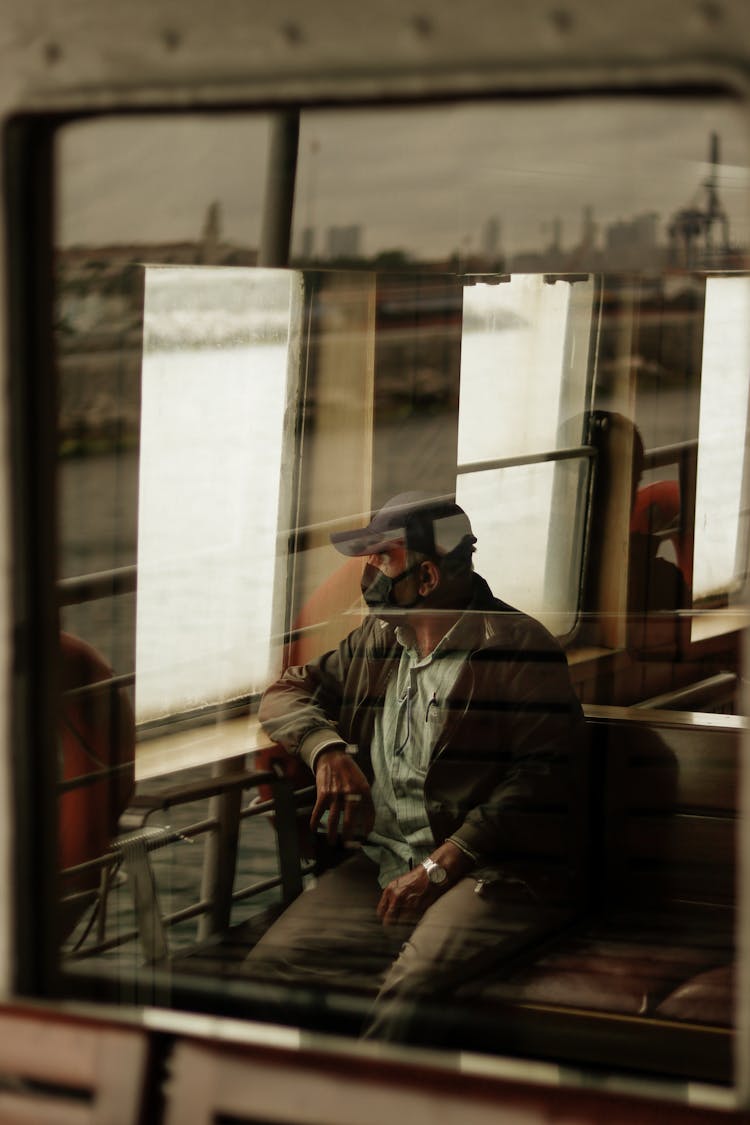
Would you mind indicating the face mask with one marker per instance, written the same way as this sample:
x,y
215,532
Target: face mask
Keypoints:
x,y
377,588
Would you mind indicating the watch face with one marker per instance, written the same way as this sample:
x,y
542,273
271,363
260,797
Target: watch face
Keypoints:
x,y
435,873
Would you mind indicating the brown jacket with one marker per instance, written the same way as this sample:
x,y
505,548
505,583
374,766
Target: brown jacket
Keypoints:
x,y
507,776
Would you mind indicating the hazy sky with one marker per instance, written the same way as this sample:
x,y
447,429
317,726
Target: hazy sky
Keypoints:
x,y
424,179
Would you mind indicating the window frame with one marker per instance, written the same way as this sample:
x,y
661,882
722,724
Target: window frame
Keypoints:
x,y
33,410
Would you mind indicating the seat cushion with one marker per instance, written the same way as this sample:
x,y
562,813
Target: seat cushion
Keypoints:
x,y
623,977
707,997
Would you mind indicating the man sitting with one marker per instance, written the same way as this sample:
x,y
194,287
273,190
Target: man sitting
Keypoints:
x,y
442,733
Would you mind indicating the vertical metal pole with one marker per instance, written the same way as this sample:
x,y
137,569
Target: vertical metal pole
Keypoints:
x,y
278,205
220,855
29,918
742,982
287,840
273,252
276,236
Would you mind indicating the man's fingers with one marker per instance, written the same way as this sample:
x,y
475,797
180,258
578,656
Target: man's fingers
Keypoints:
x,y
383,905
319,808
390,907
326,801
334,812
406,898
345,792
359,815
336,803
352,819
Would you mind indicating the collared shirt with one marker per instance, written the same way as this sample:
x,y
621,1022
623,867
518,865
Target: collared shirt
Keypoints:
x,y
405,735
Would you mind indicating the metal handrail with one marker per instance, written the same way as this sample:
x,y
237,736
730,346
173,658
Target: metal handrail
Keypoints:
x,y
124,579
183,915
570,454
123,679
662,455
157,838
102,584
718,690
184,795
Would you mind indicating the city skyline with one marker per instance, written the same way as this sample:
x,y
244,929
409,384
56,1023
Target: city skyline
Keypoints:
x,y
642,241
426,181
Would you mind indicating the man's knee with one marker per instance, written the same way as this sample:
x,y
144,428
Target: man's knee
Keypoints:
x,y
464,934
330,931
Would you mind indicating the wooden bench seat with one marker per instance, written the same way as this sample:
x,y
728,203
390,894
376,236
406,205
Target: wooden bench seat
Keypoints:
x,y
658,941
617,965
648,957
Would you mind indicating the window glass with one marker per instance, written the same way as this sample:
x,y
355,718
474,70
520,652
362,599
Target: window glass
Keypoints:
x,y
214,400
720,517
600,184
506,303
524,352
128,193
200,189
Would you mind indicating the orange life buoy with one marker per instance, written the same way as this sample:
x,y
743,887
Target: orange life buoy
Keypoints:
x,y
96,732
657,510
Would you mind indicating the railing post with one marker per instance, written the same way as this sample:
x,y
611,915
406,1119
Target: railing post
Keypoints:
x,y
220,856
140,874
287,838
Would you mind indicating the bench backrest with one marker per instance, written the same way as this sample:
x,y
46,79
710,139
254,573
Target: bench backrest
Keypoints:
x,y
667,806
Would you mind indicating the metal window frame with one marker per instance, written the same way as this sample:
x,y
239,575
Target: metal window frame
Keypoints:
x,y
28,218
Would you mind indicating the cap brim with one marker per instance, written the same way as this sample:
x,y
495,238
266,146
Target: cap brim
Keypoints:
x,y
364,542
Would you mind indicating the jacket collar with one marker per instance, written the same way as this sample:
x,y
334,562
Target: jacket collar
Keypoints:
x,y
478,627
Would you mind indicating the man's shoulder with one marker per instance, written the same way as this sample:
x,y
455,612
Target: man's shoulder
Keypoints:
x,y
504,626
372,633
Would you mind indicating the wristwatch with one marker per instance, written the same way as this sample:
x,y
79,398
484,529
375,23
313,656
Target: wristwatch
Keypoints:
x,y
435,873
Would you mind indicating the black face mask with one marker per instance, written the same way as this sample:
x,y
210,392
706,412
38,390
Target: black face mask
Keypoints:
x,y
377,588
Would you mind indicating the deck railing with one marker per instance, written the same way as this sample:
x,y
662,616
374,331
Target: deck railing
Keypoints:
x,y
131,852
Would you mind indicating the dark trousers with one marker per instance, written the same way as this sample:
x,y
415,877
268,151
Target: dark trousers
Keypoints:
x,y
331,936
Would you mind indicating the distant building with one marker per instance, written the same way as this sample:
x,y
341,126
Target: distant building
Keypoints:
x,y
588,230
555,246
211,236
491,237
344,242
307,243
633,243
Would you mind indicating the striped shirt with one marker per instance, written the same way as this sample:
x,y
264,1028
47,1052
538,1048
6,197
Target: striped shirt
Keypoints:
x,y
405,734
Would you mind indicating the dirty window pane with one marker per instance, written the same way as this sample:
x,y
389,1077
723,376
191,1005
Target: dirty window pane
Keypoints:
x,y
721,503
525,348
511,303
218,349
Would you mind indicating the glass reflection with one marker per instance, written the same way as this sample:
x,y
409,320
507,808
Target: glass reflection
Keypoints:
x,y
577,418
214,399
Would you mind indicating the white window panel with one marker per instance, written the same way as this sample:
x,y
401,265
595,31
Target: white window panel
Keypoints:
x,y
523,386
721,449
216,379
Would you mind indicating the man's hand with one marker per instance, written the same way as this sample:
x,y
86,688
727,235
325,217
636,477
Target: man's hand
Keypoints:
x,y
344,790
405,899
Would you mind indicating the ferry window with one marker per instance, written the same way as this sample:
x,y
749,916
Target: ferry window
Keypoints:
x,y
489,300
721,504
204,181
602,184
184,190
525,350
220,347
201,180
